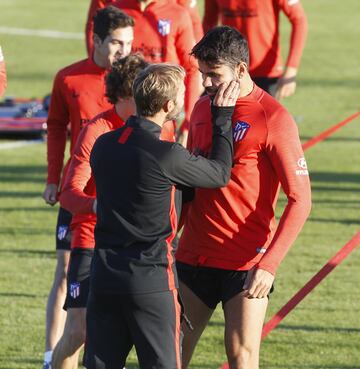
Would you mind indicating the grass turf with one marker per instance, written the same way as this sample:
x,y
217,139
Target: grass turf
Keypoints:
x,y
324,330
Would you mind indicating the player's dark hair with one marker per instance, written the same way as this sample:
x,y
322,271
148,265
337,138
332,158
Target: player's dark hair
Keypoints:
x,y
110,18
222,45
120,79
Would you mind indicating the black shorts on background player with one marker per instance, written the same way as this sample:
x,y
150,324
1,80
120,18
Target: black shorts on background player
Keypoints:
x,y
144,320
212,285
78,278
63,234
267,84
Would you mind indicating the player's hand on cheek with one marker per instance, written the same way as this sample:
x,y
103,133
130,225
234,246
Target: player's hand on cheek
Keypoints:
x,y
258,283
227,94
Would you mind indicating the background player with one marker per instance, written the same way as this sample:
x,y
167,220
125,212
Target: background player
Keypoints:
x,y
77,96
230,248
164,33
78,197
95,5
258,21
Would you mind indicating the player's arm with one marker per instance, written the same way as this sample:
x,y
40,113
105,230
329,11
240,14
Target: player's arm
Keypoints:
x,y
211,14
3,79
184,43
286,155
73,198
58,119
184,168
299,29
192,8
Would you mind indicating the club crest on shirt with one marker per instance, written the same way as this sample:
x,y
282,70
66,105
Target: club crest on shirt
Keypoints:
x,y
240,130
164,26
74,290
62,232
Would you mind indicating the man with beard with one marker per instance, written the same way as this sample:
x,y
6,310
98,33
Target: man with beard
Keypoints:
x,y
133,291
77,96
231,248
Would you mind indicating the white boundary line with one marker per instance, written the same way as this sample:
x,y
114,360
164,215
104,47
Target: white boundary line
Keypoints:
x,y
14,145
47,33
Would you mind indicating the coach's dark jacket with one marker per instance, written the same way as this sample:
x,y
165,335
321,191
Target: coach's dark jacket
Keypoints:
x,y
137,205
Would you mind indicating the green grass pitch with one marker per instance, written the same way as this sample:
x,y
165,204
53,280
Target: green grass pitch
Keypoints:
x,y
323,332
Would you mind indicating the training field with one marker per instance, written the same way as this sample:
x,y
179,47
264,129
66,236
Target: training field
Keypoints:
x,y
324,329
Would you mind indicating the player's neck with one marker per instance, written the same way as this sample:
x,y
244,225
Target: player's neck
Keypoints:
x,y
158,119
246,86
98,60
144,4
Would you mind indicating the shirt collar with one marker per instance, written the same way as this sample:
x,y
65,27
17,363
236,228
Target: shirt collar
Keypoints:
x,y
148,125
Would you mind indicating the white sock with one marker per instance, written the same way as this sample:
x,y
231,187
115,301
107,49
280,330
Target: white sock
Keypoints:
x,y
48,356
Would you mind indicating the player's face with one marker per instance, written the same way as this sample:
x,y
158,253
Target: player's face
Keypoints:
x,y
116,45
214,76
179,103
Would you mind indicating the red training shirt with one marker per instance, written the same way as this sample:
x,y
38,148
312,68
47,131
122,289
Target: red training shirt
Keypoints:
x,y
258,21
78,95
234,227
163,33
95,5
79,191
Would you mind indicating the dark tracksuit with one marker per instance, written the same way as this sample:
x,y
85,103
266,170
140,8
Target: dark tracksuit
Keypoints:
x,y
133,297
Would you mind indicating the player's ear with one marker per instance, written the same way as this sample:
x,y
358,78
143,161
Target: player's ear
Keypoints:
x,y
97,40
241,69
168,106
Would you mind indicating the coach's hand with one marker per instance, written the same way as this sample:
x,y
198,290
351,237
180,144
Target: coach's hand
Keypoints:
x,y
50,194
258,283
227,94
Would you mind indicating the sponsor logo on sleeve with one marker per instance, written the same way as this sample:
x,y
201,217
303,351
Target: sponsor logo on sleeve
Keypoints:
x,y
62,232
74,289
164,26
292,2
260,250
303,168
240,130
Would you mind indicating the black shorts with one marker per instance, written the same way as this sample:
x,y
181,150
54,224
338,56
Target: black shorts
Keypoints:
x,y
212,285
63,234
150,322
78,278
267,84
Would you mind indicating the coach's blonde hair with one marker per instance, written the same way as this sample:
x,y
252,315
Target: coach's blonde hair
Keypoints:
x,y
155,85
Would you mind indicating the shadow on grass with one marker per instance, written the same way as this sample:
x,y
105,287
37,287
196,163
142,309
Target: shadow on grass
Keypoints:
x,y
308,328
30,208
12,295
15,231
335,177
24,252
333,139
20,174
338,221
19,194
333,188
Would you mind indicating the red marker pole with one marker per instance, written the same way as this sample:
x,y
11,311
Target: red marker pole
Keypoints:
x,y
309,286
322,136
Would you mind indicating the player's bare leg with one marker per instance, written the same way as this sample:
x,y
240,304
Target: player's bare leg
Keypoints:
x,y
55,314
244,320
66,353
199,315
